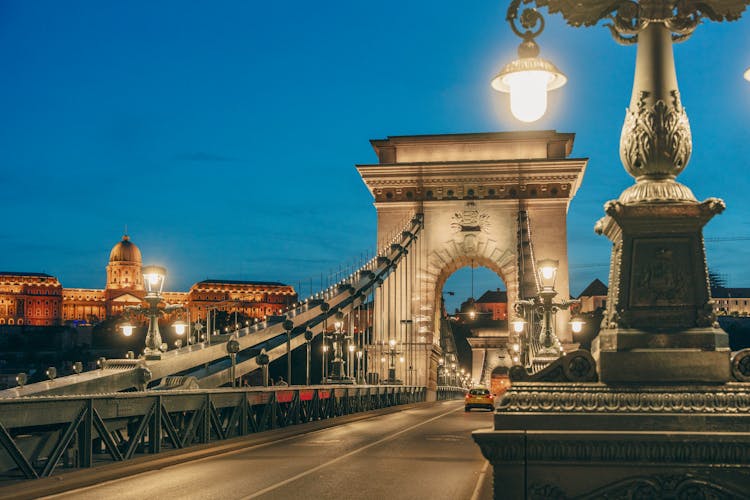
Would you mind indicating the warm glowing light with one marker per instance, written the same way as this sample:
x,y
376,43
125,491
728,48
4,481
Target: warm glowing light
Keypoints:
x,y
576,324
179,327
402,359
472,314
548,272
382,358
337,325
325,348
515,359
518,325
528,94
127,329
351,347
516,347
528,79
392,343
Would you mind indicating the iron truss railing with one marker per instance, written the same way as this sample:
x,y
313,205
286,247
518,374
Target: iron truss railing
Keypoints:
x,y
41,435
445,392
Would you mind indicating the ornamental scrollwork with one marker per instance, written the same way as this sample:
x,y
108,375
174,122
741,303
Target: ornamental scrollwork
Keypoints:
x,y
626,18
656,139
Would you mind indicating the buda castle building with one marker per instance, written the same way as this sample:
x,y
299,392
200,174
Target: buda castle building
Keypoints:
x,y
39,299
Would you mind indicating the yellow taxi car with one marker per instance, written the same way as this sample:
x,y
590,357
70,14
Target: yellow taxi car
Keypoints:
x,y
479,397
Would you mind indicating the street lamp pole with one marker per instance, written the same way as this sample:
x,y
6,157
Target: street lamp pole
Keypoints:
x,y
154,279
308,338
658,261
288,326
549,345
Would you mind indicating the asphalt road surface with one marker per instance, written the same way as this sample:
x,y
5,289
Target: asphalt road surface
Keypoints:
x,y
421,452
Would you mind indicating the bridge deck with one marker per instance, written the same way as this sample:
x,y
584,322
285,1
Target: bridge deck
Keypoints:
x,y
424,451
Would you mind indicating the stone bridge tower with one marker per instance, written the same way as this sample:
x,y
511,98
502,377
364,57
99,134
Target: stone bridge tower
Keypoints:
x,y
480,194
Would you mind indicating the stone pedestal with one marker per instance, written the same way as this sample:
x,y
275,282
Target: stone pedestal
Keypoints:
x,y
558,441
659,322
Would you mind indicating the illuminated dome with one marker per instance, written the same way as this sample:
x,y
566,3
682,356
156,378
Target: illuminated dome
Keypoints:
x,y
125,251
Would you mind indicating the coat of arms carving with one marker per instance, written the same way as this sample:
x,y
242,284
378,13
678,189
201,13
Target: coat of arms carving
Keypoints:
x,y
470,219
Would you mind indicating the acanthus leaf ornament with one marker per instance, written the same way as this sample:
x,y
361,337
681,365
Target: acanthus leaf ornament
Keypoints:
x,y
656,139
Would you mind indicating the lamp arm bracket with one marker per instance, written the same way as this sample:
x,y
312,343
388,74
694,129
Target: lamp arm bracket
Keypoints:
x,y
531,21
565,304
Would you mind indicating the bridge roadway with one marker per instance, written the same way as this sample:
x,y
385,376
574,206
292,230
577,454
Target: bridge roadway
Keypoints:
x,y
424,451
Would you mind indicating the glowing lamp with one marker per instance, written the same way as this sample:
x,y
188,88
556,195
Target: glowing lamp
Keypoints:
x,y
576,324
153,277
527,80
179,327
547,270
127,329
351,347
401,359
392,343
518,325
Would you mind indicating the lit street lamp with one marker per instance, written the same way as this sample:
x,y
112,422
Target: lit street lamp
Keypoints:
x,y
337,339
528,78
392,352
153,278
308,338
549,347
656,224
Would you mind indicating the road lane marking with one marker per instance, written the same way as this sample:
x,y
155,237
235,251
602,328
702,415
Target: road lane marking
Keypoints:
x,y
342,457
159,469
480,480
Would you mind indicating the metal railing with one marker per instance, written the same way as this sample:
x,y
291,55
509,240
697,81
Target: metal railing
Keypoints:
x,y
445,392
42,435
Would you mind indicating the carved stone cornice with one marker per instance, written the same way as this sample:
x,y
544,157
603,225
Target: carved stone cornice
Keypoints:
x,y
599,398
681,486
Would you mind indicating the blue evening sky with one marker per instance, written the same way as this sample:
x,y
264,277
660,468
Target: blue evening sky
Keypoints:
x,y
224,134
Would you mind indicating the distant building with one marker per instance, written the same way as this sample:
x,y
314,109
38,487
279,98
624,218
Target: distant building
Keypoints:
x,y
593,297
731,301
29,298
39,299
494,302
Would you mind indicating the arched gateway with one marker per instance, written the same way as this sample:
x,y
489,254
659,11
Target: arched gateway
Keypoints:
x,y
483,198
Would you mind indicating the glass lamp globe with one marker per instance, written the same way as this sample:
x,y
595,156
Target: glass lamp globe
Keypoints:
x,y
576,324
127,329
527,80
179,327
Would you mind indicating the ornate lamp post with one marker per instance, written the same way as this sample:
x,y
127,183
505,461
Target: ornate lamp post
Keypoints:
x,y
309,334
153,278
337,339
392,352
544,303
659,316
658,339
